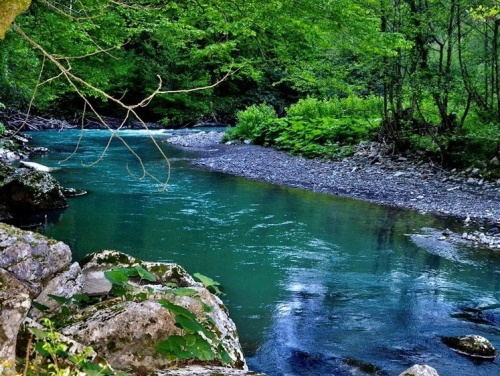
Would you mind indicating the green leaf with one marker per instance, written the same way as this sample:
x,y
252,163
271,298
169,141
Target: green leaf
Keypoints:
x,y
208,282
224,355
189,325
38,333
92,369
59,299
40,348
116,276
81,297
39,306
119,290
184,291
177,310
144,274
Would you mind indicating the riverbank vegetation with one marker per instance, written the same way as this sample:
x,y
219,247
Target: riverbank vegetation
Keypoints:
x,y
310,77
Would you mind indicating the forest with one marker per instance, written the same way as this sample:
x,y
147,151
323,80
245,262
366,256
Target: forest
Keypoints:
x,y
311,77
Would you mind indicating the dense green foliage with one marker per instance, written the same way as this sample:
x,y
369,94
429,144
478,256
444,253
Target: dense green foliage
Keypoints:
x,y
434,66
312,128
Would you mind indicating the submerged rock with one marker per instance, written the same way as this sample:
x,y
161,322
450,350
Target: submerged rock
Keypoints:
x,y
472,345
420,370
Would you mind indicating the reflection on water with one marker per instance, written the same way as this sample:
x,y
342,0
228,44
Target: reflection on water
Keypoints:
x,y
311,280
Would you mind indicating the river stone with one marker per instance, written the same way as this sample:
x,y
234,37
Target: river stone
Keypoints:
x,y
472,345
94,266
31,257
14,305
28,190
65,284
420,370
126,332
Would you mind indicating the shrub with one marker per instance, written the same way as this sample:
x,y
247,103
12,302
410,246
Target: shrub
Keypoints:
x,y
312,128
251,122
352,106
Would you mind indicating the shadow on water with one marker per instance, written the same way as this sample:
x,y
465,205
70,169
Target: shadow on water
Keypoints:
x,y
312,280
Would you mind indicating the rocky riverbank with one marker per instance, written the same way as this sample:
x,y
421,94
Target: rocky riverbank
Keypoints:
x,y
373,174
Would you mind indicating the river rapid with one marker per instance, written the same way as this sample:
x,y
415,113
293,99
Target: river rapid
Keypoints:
x,y
316,284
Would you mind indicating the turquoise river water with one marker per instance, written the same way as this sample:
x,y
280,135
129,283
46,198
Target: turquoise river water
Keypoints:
x,y
315,283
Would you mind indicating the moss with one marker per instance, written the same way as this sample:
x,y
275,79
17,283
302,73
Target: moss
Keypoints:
x,y
114,258
159,269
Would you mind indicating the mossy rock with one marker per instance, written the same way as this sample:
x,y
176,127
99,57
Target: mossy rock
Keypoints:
x,y
27,191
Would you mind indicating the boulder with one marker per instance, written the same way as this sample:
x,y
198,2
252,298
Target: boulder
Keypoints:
x,y
31,258
420,370
28,190
126,332
472,345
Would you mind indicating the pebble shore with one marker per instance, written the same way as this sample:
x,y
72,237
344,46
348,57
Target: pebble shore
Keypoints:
x,y
372,174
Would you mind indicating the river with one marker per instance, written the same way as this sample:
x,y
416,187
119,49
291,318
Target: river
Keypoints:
x,y
315,283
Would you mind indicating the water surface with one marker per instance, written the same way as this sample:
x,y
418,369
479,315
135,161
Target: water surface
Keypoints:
x,y
311,279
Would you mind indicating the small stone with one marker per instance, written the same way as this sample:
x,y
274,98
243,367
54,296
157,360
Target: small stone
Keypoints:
x,y
442,238
493,231
464,235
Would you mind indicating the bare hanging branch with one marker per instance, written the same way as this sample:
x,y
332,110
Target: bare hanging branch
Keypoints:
x,y
73,80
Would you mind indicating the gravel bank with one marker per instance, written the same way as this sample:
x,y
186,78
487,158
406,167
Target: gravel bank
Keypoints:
x,y
373,174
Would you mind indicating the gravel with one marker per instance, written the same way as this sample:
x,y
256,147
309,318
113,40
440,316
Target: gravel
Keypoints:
x,y
373,174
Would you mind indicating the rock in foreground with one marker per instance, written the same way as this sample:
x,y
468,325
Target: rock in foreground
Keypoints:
x,y
139,316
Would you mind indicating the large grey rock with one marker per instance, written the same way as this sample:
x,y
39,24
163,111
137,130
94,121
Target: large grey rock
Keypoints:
x,y
126,332
30,257
420,370
65,284
28,190
472,345
14,305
